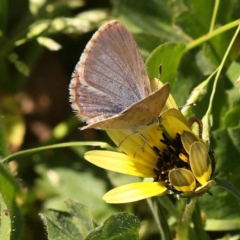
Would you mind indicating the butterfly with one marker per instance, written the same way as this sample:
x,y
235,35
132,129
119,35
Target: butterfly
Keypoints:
x,y
110,88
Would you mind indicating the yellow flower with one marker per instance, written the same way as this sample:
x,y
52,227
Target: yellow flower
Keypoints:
x,y
178,161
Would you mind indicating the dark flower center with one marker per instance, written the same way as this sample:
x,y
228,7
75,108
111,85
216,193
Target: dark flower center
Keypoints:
x,y
169,159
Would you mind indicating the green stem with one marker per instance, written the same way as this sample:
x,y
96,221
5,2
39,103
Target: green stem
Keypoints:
x,y
189,210
60,145
152,206
169,206
228,186
214,33
160,219
183,228
215,10
198,225
219,71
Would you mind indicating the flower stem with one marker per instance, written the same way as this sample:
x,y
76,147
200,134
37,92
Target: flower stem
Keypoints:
x,y
198,225
212,34
183,228
215,10
53,146
220,68
169,206
160,219
189,210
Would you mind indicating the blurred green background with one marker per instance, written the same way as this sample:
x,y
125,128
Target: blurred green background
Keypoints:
x,y
41,42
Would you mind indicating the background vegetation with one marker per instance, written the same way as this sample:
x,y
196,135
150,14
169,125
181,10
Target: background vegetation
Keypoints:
x,y
41,42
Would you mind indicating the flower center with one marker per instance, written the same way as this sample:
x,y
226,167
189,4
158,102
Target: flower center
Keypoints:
x,y
176,168
172,157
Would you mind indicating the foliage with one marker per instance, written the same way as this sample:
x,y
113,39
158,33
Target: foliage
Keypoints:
x,y
41,42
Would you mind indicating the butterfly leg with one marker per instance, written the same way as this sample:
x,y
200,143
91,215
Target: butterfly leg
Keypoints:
x,y
145,142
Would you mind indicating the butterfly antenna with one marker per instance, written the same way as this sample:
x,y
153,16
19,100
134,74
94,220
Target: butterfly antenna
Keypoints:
x,y
159,71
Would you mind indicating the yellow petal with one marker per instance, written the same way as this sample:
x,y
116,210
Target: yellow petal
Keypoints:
x,y
134,192
205,187
177,125
138,145
182,179
200,162
133,144
119,162
156,84
187,139
174,122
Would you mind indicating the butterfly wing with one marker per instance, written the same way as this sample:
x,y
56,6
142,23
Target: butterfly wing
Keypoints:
x,y
141,113
110,75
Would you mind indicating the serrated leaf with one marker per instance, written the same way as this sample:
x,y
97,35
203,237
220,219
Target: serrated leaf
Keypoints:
x,y
118,226
73,184
60,225
84,219
71,225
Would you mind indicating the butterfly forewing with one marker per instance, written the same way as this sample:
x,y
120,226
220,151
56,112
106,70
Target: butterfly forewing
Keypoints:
x,y
110,88
110,74
142,113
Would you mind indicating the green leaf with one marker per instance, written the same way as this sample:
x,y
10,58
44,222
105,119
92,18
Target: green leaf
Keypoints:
x,y
77,222
196,20
233,72
10,220
204,63
73,225
118,226
63,183
229,187
168,55
223,205
232,117
146,42
83,215
60,225
149,17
